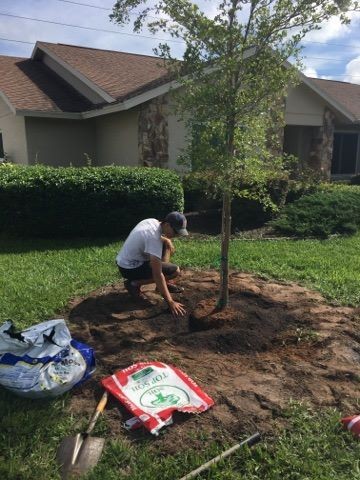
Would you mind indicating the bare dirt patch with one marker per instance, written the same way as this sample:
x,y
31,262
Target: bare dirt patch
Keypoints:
x,y
275,343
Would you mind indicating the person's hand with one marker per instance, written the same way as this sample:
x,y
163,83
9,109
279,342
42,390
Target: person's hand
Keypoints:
x,y
169,245
177,309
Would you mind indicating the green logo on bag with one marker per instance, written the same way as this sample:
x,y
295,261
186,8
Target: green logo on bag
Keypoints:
x,y
164,396
142,373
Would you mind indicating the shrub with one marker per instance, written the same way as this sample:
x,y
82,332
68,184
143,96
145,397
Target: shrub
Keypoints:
x,y
67,201
332,209
247,212
199,192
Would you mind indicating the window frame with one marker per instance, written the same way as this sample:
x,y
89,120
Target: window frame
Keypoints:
x,y
2,149
357,159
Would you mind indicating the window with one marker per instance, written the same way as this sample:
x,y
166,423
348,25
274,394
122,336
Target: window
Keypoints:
x,y
1,146
345,151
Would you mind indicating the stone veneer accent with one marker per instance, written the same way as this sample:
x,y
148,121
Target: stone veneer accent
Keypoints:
x,y
321,146
153,134
275,141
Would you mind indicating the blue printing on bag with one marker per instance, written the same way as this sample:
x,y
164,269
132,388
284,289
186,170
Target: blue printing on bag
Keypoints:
x,y
11,359
89,357
86,352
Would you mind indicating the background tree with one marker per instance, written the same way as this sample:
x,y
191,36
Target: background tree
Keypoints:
x,y
234,76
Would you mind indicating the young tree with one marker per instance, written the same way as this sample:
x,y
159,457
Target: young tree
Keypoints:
x,y
234,75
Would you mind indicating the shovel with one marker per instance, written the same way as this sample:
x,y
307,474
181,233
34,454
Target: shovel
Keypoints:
x,y
77,455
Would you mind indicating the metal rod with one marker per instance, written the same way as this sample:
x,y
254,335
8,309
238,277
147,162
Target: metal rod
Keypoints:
x,y
249,442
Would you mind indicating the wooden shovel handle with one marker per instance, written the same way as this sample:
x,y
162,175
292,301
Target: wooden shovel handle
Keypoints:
x,y
99,409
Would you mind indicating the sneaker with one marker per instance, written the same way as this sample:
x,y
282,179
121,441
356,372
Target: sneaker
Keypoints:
x,y
173,288
134,290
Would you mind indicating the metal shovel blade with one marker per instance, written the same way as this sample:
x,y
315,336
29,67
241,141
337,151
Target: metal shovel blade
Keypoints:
x,y
77,455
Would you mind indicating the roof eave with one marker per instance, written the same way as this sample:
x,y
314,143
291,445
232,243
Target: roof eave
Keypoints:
x,y
336,105
134,101
49,114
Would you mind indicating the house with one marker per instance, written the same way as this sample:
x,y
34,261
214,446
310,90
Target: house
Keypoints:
x,y
323,126
69,105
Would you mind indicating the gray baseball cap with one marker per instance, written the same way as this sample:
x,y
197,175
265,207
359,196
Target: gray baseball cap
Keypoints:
x,y
178,222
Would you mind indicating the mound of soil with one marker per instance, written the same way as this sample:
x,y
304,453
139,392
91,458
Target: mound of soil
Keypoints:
x,y
275,343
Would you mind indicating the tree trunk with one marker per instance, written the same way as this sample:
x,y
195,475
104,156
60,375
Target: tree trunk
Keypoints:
x,y
225,240
227,193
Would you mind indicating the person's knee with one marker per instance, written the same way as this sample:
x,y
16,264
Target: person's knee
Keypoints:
x,y
173,272
177,272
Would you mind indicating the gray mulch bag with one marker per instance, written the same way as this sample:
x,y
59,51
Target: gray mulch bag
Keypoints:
x,y
43,360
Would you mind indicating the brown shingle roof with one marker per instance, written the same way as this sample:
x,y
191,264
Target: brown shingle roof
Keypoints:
x,y
346,94
31,85
117,73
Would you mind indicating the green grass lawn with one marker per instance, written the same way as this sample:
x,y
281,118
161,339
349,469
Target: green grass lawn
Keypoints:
x,y
37,279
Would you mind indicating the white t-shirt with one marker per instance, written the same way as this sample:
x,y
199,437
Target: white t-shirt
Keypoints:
x,y
144,240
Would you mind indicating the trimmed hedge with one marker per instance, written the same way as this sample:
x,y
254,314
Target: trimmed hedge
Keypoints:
x,y
199,194
68,201
333,209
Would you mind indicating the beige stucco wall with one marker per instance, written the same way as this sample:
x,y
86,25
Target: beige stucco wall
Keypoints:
x,y
177,134
304,107
109,139
12,129
177,140
113,138
60,142
117,138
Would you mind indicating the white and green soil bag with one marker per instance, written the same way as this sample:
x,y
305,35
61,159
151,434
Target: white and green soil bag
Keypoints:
x,y
152,391
43,360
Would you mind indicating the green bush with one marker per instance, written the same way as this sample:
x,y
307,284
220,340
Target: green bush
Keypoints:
x,y
67,201
299,188
200,194
333,209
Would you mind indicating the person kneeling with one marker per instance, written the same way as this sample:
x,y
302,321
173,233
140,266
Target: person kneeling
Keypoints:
x,y
145,258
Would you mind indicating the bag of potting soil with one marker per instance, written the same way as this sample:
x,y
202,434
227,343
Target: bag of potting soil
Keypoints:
x,y
43,360
152,391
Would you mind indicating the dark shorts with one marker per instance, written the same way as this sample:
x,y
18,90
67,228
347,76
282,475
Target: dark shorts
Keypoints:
x,y
144,272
